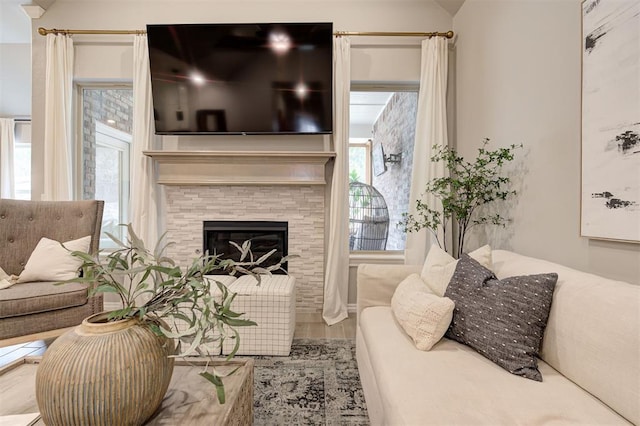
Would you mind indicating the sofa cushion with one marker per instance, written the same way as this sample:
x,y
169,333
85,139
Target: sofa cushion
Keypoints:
x,y
505,319
34,297
452,384
424,316
439,266
52,261
592,335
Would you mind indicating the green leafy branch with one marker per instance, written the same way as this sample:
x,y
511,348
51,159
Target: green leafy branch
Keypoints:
x,y
469,186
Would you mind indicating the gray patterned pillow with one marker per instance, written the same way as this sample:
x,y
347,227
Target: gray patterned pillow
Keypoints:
x,y
504,320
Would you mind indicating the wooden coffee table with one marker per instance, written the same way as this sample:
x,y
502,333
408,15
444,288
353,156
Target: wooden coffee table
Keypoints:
x,y
190,400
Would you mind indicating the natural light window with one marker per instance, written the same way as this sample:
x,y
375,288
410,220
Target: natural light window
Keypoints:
x,y
360,160
105,157
22,160
112,178
382,133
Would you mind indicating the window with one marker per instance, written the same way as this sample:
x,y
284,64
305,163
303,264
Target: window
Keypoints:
x,y
381,120
22,160
105,149
359,160
112,178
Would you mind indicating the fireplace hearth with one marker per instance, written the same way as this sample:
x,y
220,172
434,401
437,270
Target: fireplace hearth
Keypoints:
x,y
264,235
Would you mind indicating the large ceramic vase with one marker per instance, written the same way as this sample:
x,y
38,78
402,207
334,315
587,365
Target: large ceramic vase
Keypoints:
x,y
104,373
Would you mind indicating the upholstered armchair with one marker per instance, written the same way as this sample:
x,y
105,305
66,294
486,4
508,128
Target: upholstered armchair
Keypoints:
x,y
35,307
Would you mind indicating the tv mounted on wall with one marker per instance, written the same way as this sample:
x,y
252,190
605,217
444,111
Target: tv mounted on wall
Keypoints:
x,y
242,78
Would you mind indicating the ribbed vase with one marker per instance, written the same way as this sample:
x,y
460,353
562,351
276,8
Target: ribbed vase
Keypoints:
x,y
104,373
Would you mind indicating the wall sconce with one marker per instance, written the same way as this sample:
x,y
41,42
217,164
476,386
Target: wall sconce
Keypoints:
x,y
380,160
393,158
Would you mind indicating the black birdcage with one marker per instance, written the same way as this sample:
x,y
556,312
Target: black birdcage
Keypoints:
x,y
368,218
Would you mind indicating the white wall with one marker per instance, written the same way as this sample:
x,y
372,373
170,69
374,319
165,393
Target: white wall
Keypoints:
x,y
519,81
15,80
109,57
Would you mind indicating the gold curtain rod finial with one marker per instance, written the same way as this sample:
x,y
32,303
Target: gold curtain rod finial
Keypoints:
x,y
449,34
42,31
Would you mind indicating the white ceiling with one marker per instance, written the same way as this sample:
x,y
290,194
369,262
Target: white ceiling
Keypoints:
x,y
451,6
365,107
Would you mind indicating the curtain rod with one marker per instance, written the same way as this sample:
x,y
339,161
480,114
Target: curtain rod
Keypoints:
x,y
449,34
43,31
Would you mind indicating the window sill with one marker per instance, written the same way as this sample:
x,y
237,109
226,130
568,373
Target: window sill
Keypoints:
x,y
388,257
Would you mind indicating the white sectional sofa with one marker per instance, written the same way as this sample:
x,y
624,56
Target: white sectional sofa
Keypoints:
x,y
590,358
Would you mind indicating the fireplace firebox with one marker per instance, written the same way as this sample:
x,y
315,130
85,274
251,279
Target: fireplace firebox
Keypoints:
x,y
264,235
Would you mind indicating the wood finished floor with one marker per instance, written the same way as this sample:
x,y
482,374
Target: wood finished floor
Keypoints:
x,y
307,326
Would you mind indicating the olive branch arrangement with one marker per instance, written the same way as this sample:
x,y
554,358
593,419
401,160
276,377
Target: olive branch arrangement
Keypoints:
x,y
153,289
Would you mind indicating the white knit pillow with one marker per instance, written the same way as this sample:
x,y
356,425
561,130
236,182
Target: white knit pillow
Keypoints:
x,y
52,262
439,266
424,316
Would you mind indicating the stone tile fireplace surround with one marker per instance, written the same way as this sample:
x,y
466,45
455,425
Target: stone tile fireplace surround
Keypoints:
x,y
302,206
289,197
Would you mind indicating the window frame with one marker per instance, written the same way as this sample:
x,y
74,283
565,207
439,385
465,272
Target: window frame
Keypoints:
x,y
358,257
78,120
20,145
78,160
121,142
367,146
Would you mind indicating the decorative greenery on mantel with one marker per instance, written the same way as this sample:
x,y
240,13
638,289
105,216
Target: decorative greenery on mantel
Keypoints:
x,y
469,186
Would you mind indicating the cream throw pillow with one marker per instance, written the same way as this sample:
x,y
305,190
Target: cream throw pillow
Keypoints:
x,y
424,316
6,280
52,262
439,267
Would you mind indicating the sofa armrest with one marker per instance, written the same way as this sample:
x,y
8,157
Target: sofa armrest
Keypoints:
x,y
377,283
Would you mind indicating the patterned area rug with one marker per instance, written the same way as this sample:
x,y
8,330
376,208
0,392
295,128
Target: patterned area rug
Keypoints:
x,y
318,384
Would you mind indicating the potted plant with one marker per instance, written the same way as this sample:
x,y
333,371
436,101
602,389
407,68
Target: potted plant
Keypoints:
x,y
468,187
166,312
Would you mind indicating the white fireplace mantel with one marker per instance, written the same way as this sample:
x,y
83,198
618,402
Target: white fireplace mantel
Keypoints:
x,y
241,167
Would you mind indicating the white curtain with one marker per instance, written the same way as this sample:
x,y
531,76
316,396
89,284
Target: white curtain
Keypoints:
x,y
431,129
145,192
7,182
336,276
57,118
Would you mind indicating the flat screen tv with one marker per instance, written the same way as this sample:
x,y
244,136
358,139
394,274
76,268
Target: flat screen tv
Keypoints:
x,y
242,78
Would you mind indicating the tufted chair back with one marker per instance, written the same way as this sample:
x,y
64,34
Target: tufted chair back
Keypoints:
x,y
23,223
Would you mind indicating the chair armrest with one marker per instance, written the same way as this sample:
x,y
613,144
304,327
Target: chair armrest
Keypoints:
x,y
377,283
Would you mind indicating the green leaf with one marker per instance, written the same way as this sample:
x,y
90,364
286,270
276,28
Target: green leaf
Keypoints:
x,y
265,256
239,322
218,384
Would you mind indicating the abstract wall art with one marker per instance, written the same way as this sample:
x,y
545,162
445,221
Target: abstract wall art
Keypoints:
x,y
611,120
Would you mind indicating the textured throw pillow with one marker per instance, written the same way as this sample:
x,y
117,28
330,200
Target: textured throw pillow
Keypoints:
x,y
439,266
52,262
504,320
424,316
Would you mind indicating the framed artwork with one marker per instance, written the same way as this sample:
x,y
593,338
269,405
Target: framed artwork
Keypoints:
x,y
379,166
610,205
